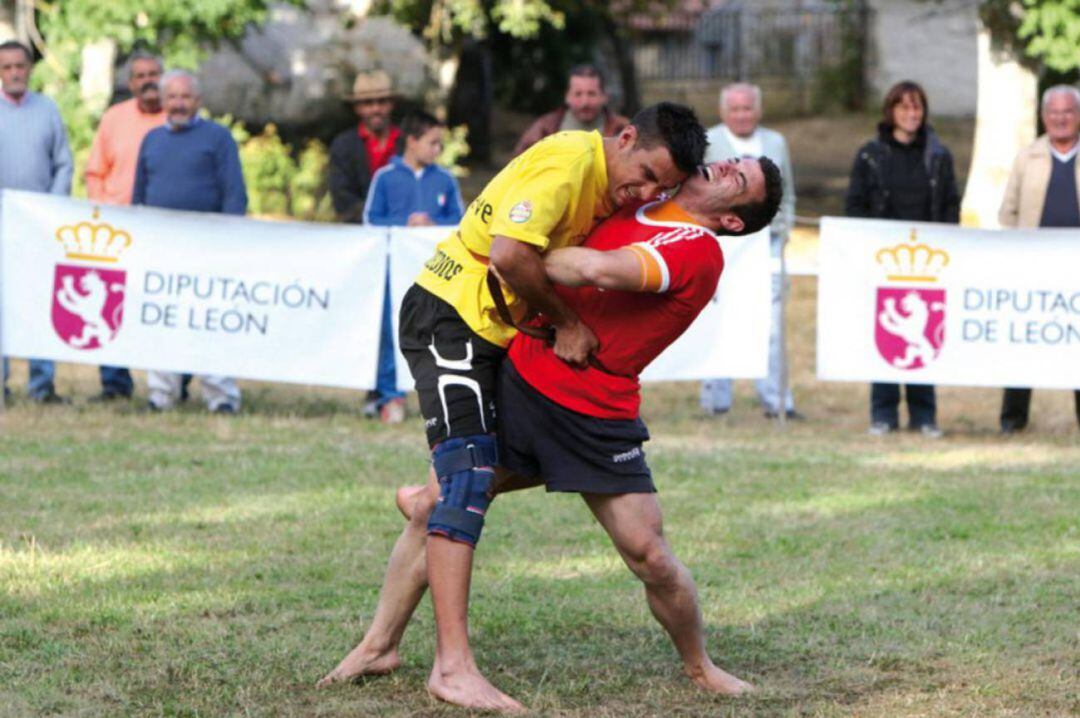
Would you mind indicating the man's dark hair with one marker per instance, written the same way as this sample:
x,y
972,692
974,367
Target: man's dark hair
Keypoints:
x,y
587,71
417,122
758,215
675,126
896,95
16,45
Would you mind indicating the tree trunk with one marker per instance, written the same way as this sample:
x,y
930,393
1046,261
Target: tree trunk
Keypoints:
x,y
625,59
7,20
1002,128
96,75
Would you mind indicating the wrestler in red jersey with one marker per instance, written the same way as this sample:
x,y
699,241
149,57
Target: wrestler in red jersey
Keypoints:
x,y
680,261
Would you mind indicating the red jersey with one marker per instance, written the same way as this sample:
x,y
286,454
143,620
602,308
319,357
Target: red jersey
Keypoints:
x,y
633,327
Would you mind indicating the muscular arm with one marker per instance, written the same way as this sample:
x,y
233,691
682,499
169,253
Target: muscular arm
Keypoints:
x,y
629,269
521,267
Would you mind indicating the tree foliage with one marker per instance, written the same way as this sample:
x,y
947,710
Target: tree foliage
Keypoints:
x,y
1045,32
535,42
181,32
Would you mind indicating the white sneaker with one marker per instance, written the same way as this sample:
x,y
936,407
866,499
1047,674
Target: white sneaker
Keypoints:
x,y
393,412
880,428
931,431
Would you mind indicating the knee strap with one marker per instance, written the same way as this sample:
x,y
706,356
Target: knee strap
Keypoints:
x,y
465,468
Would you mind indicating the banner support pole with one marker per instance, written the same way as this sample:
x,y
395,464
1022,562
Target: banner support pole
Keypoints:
x,y
781,408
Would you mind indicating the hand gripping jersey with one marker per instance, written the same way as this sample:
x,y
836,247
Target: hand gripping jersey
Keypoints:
x,y
550,197
682,262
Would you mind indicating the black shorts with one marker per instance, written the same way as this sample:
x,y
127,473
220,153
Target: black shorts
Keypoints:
x,y
569,451
455,369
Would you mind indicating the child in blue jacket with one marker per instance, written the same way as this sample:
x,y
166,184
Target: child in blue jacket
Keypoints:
x,y
410,191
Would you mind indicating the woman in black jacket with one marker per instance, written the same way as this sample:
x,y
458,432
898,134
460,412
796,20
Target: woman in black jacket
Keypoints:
x,y
904,173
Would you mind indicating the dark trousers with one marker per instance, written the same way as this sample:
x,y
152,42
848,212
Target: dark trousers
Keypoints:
x,y
116,380
885,404
1016,403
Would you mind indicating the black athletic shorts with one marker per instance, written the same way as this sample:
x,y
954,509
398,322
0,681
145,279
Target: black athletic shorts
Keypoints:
x,y
569,451
455,369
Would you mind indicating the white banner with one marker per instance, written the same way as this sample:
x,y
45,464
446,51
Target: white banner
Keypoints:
x,y
928,303
729,339
181,291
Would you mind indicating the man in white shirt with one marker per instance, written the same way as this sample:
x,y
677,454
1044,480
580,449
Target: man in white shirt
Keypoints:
x,y
741,135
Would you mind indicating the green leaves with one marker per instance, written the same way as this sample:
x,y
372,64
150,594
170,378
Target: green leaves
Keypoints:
x,y
1051,29
1046,31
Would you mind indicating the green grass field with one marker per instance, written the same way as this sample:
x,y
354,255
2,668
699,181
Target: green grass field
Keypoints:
x,y
186,565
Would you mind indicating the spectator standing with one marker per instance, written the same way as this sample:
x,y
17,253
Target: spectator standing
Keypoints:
x,y
358,152
585,108
110,171
410,191
1044,191
34,156
740,134
192,164
905,173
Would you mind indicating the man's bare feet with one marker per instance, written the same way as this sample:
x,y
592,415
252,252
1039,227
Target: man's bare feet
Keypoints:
x,y
715,680
362,661
405,498
469,689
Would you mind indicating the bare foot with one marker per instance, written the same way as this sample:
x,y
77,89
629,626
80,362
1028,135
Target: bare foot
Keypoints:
x,y
715,680
405,498
470,689
362,661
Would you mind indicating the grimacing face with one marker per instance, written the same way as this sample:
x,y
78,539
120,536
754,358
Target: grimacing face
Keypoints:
x,y
726,184
15,71
585,98
639,173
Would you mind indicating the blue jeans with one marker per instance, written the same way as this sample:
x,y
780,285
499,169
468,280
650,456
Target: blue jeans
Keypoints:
x,y
386,380
116,380
40,384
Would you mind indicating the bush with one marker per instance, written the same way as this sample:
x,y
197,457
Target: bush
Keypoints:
x,y
280,182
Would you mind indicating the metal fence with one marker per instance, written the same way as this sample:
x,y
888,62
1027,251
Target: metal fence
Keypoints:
x,y
739,43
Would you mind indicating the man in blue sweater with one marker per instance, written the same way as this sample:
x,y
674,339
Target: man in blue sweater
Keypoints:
x,y
410,191
192,164
34,156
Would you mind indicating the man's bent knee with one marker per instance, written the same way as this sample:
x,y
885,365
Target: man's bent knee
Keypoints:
x,y
423,505
654,563
465,469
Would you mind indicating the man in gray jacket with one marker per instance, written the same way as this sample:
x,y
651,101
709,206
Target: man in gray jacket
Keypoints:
x,y
741,135
34,156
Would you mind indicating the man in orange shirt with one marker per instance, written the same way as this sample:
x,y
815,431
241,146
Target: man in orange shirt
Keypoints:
x,y
110,171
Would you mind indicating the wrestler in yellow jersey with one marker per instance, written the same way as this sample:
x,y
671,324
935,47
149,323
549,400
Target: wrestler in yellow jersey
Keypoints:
x,y
454,341
548,197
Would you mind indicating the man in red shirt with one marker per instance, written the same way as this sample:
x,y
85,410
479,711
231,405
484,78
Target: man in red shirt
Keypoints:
x,y
358,152
639,281
110,169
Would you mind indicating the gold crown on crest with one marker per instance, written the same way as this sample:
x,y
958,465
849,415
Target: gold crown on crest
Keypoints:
x,y
93,242
912,262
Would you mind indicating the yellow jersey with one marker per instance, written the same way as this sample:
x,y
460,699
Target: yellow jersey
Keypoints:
x,y
550,196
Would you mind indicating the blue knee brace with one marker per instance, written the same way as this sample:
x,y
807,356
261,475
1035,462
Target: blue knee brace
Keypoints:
x,y
465,469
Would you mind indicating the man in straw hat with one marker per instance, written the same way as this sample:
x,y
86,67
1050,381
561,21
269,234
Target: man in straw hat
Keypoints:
x,y
355,156
358,152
